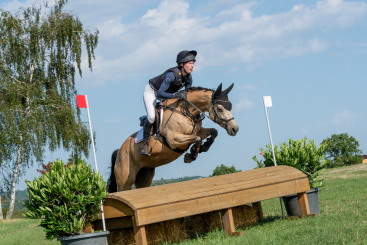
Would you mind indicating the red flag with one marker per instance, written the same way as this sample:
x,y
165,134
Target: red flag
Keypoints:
x,y
261,153
81,101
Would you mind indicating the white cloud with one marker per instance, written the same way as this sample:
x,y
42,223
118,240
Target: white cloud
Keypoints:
x,y
345,117
244,105
235,36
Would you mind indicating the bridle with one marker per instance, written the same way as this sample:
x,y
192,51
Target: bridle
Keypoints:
x,y
196,119
221,120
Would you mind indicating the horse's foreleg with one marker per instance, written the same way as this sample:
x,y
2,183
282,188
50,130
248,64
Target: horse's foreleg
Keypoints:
x,y
204,133
182,140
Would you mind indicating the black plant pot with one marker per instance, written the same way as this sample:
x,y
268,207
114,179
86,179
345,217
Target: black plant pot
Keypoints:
x,y
97,238
292,206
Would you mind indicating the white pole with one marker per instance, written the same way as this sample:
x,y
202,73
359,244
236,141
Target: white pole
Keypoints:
x,y
272,148
271,140
95,158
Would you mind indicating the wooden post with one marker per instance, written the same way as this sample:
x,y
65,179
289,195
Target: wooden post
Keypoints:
x,y
228,223
139,232
303,204
259,210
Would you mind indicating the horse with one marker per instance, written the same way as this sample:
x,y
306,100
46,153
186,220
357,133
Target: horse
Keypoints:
x,y
181,127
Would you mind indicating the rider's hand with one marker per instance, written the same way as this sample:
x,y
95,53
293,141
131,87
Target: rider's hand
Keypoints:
x,y
180,95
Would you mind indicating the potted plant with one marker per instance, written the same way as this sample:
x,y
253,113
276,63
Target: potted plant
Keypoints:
x,y
67,198
305,156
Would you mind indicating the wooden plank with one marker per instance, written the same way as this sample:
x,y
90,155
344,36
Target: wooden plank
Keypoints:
x,y
303,203
114,208
228,223
139,232
299,217
223,179
212,203
213,184
259,210
217,188
114,223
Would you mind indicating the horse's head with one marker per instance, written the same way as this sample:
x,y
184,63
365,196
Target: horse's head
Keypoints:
x,y
220,110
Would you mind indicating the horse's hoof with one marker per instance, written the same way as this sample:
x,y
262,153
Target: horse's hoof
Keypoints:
x,y
188,158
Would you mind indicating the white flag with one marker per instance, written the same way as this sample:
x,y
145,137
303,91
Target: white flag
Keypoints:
x,y
267,101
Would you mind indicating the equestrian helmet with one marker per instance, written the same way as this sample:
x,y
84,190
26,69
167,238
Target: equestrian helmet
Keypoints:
x,y
186,56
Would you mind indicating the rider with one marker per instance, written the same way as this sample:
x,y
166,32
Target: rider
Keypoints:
x,y
166,86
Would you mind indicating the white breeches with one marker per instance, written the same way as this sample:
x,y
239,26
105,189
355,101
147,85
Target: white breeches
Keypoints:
x,y
150,97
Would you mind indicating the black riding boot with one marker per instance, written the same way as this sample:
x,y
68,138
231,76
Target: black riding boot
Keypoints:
x,y
146,136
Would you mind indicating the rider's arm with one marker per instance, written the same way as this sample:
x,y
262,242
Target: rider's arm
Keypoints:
x,y
189,85
168,79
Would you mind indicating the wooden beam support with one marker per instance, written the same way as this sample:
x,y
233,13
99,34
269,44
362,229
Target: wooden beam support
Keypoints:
x,y
228,223
259,210
303,203
139,232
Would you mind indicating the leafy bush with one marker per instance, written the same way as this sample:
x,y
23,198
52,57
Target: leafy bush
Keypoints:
x,y
342,150
302,155
67,199
222,169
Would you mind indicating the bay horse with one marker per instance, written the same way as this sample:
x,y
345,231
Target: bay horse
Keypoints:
x,y
181,127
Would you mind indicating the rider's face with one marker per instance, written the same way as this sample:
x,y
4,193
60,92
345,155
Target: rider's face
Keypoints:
x,y
189,66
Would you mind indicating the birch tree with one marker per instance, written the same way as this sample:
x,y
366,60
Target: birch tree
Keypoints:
x,y
40,54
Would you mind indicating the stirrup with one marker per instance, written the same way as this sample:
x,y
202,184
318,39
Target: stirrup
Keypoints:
x,y
144,149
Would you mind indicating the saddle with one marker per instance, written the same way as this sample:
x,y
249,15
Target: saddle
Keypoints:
x,y
157,122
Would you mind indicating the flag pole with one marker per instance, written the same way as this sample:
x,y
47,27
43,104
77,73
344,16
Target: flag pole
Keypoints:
x,y
272,148
95,158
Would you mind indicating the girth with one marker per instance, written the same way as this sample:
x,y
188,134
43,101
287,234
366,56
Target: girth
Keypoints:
x,y
163,140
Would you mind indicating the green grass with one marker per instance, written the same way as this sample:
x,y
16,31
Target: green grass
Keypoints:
x,y
22,232
343,219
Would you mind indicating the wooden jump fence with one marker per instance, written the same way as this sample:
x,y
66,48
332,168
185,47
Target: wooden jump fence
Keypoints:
x,y
140,207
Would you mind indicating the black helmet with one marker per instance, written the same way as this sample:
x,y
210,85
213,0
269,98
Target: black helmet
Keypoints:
x,y
186,56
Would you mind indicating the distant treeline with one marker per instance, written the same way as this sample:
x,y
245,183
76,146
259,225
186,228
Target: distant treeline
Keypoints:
x,y
169,181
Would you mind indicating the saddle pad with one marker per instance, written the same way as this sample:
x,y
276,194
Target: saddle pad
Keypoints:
x,y
139,135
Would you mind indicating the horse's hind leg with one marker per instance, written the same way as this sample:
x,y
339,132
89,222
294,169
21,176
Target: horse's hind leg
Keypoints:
x,y
144,177
125,170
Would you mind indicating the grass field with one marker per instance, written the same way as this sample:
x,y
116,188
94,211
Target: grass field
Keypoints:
x,y
343,219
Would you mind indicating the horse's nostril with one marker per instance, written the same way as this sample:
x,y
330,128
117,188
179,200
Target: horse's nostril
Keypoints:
x,y
233,130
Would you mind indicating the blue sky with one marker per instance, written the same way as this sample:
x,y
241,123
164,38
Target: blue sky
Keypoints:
x,y
310,56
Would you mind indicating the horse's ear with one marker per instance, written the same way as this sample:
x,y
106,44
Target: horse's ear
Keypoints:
x,y
228,89
218,91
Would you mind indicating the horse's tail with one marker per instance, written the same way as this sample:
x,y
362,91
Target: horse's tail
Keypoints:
x,y
111,183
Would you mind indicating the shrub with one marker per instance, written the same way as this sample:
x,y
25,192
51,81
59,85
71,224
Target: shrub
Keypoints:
x,y
302,155
222,169
67,199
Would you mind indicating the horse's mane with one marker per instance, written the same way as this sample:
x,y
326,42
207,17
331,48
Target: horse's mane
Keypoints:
x,y
199,89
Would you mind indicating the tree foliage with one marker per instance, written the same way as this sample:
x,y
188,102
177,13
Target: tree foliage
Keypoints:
x,y
342,150
222,169
40,54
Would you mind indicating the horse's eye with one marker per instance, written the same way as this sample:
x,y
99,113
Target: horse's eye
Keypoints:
x,y
220,110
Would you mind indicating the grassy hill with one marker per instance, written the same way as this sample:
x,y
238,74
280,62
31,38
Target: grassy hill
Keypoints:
x,y
343,219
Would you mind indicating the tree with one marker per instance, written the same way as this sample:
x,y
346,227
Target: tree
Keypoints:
x,y
222,169
40,52
342,150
